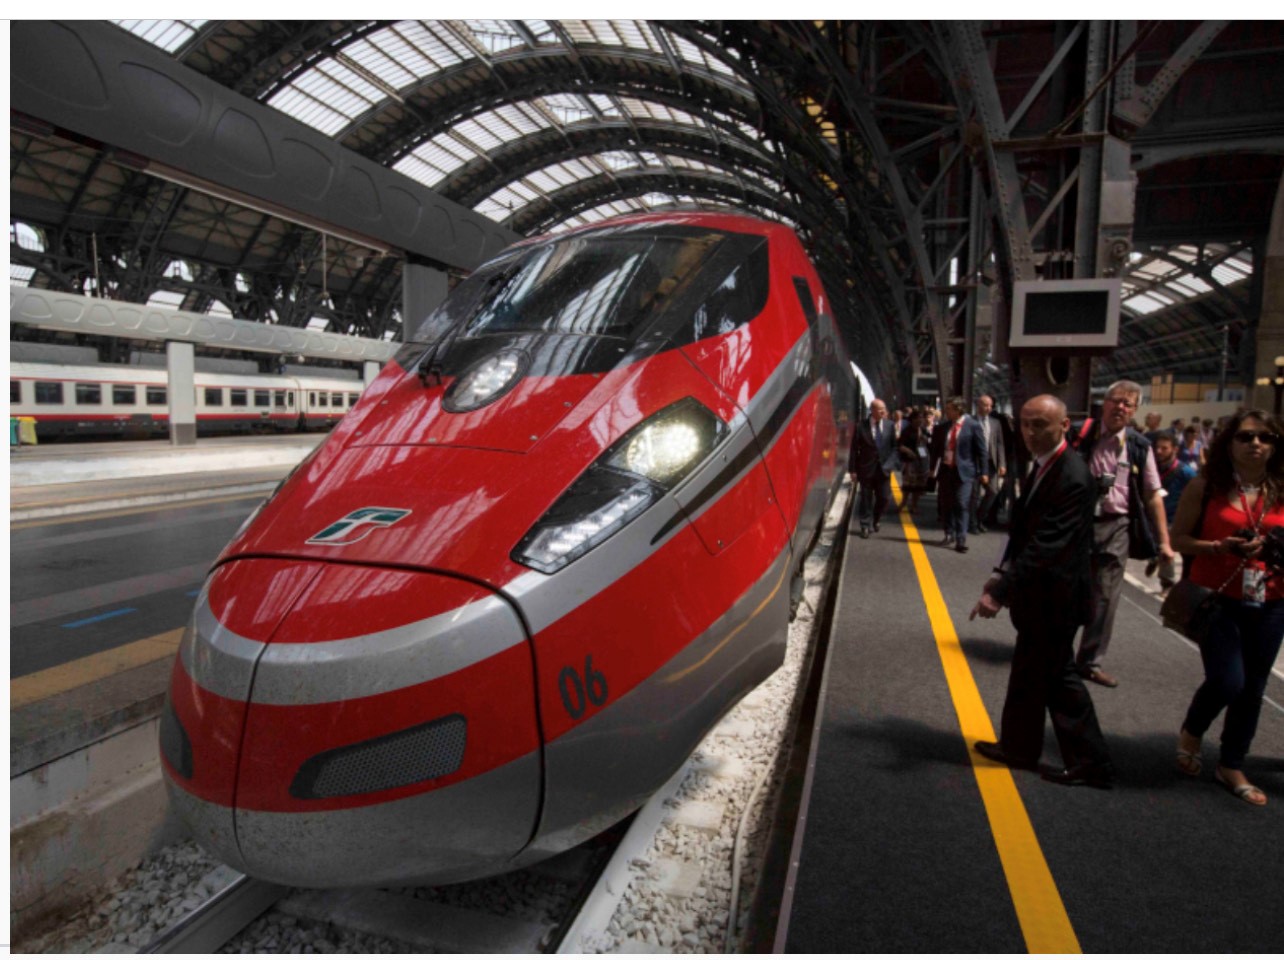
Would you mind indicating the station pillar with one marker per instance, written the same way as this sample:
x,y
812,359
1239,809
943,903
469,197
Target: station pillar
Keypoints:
x,y
181,364
369,370
423,288
1270,325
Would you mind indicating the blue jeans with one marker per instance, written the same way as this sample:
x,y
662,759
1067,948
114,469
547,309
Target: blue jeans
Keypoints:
x,y
1238,655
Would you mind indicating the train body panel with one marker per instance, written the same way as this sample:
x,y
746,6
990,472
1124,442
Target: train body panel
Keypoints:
x,y
128,402
549,548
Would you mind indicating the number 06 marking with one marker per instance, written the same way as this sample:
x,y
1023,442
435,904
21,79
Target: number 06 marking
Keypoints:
x,y
578,693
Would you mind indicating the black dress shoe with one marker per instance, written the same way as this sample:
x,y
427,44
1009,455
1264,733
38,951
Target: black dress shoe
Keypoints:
x,y
960,548
864,533
994,751
1103,778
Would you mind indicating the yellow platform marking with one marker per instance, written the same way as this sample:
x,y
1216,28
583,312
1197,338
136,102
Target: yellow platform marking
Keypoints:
x,y
1040,912
68,676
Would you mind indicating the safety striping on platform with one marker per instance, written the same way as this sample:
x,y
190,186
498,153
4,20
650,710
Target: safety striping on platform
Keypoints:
x,y
110,614
68,676
1039,908
24,612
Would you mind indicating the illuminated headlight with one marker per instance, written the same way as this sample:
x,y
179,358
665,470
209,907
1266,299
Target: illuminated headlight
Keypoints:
x,y
628,478
486,381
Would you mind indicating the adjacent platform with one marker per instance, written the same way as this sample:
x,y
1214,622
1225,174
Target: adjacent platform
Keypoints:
x,y
902,825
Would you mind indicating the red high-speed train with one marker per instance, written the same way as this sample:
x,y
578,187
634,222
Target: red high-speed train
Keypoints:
x,y
550,546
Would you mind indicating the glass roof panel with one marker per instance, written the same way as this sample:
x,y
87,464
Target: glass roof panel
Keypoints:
x,y
1143,304
495,36
21,275
169,35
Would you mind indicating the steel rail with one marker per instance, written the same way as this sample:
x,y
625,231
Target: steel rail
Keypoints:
x,y
219,919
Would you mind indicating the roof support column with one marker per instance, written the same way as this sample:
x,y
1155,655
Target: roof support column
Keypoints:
x,y
1270,324
181,361
423,290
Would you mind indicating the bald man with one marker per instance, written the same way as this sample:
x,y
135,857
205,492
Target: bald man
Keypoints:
x,y
1045,580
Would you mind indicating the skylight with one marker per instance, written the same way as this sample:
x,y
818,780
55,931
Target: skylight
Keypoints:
x,y
1162,278
169,35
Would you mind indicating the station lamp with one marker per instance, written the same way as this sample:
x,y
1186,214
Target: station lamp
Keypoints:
x,y
1276,381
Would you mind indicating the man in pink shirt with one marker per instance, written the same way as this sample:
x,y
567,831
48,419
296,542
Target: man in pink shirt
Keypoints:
x,y
1123,466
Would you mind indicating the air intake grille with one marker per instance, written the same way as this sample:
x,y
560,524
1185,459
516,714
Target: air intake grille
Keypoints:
x,y
425,752
175,746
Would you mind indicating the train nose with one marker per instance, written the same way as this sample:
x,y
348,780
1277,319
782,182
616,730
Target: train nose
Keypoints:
x,y
328,721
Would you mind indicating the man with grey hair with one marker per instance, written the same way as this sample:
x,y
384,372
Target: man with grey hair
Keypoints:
x,y
1128,489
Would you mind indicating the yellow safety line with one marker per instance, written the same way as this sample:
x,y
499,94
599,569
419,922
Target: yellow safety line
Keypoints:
x,y
1044,922
68,676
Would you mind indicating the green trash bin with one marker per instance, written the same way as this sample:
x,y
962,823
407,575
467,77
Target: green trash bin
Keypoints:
x,y
13,431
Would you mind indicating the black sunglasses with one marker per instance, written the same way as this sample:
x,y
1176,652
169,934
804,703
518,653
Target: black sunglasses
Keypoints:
x,y
1248,436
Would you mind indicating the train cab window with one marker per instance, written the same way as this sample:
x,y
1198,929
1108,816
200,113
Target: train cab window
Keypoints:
x,y
263,398
336,400
213,396
240,398
15,391
804,298
124,394
157,396
48,392
735,301
90,394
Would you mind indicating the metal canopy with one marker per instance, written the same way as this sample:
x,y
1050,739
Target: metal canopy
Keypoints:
x,y
925,165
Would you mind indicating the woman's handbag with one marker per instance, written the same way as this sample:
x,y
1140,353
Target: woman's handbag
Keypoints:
x,y
1190,609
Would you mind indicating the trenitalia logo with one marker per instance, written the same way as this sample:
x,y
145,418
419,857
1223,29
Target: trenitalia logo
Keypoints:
x,y
357,525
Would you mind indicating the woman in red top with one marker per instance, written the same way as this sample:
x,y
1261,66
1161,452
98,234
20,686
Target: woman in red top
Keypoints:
x,y
1223,531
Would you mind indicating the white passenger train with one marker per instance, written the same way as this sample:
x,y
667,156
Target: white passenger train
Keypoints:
x,y
105,400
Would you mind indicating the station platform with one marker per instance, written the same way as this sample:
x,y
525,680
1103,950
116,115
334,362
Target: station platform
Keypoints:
x,y
909,841
58,711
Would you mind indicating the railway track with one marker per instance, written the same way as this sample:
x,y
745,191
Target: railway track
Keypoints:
x,y
528,911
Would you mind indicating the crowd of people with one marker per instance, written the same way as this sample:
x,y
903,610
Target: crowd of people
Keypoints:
x,y
1078,502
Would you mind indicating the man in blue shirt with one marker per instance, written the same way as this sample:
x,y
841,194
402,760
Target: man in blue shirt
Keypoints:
x,y
1173,476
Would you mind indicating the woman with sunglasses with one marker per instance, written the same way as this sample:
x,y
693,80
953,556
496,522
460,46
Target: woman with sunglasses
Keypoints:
x,y
1221,521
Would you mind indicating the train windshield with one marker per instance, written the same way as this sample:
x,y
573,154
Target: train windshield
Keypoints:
x,y
613,285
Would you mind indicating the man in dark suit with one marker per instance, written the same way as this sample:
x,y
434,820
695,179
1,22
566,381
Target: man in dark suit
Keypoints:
x,y
873,458
1045,580
995,468
963,461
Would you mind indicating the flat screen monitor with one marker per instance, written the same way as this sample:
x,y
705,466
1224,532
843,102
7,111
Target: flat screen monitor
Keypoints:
x,y
1065,314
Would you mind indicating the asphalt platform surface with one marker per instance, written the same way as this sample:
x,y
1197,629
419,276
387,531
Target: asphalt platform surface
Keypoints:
x,y
897,853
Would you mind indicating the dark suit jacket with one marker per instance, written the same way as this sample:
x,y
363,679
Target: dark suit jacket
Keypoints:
x,y
1047,556
869,457
970,455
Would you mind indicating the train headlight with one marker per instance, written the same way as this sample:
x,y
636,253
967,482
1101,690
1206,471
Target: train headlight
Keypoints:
x,y
486,381
634,473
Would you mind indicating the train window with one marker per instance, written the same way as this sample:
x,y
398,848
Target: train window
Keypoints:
x,y
263,398
279,398
336,400
322,400
48,392
15,391
312,398
240,397
89,394
352,399
735,301
213,396
804,298
289,399
124,394
598,285
157,396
